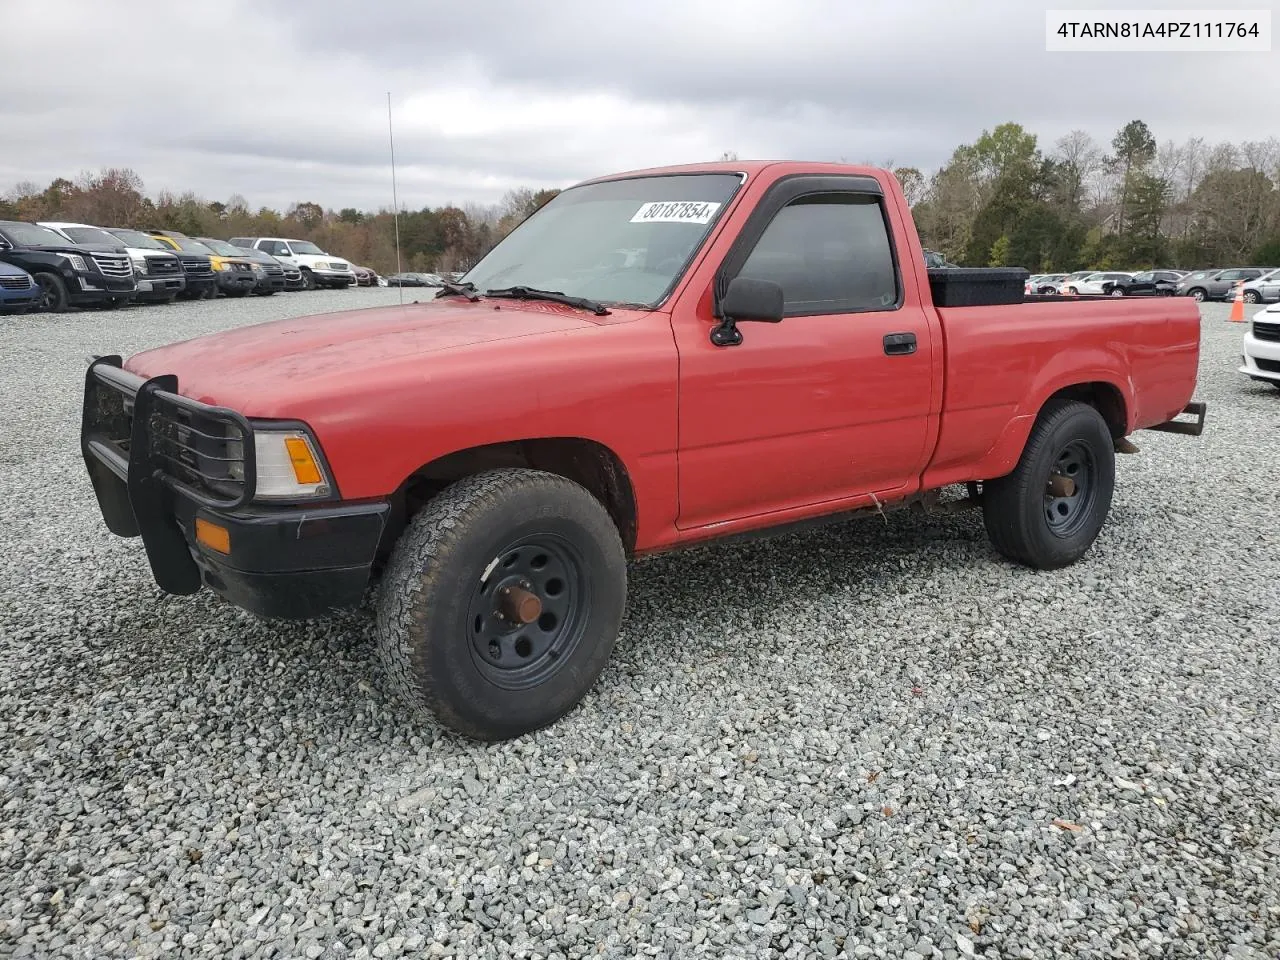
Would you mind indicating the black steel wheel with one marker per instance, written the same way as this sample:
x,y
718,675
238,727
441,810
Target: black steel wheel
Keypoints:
x,y
1071,489
528,611
1048,512
501,602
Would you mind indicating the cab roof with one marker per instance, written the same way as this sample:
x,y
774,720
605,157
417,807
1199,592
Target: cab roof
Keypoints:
x,y
751,168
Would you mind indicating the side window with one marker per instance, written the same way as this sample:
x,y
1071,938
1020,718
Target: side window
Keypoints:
x,y
830,253
1229,275
272,247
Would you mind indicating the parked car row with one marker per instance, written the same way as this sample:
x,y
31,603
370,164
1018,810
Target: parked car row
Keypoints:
x,y
1259,284
53,265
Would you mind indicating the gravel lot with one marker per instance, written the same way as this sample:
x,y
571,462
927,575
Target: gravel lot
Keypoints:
x,y
851,743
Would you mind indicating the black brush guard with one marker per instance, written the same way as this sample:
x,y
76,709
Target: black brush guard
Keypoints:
x,y
139,458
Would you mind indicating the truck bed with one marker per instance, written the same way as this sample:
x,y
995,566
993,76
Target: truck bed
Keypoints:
x,y
1002,362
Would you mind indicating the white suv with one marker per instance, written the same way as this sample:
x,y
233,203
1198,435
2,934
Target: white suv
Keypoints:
x,y
319,269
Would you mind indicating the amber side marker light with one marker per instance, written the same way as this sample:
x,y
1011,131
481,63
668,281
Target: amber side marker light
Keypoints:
x,y
305,469
213,536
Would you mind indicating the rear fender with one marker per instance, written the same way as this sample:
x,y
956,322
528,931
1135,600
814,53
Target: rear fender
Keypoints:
x,y
1003,455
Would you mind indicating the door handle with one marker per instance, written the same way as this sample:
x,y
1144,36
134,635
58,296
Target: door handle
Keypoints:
x,y
899,344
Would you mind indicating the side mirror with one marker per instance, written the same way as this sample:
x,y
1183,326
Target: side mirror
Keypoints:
x,y
747,299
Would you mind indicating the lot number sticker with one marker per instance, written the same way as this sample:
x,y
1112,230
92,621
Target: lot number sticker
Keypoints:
x,y
676,211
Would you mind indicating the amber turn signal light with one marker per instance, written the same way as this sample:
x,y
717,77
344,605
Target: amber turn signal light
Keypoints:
x,y
213,536
305,469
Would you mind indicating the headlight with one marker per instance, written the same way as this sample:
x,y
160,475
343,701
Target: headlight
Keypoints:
x,y
77,262
222,265
139,266
288,466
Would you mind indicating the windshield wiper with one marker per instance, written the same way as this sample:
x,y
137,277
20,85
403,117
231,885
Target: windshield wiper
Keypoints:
x,y
467,290
555,296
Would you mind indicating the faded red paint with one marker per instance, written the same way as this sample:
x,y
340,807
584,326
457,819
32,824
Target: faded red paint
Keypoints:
x,y
805,417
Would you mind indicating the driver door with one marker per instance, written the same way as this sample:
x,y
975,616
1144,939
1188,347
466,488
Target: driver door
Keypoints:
x,y
833,402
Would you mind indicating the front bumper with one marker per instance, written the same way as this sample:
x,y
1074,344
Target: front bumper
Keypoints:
x,y
161,288
274,282
294,562
12,299
235,281
334,278
94,288
1260,359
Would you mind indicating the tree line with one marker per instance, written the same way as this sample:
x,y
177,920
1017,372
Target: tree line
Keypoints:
x,y
1134,203
1002,200
441,239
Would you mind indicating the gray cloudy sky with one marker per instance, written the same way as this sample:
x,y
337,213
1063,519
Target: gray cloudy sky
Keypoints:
x,y
283,102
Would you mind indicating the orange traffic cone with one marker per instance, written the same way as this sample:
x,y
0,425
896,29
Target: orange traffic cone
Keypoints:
x,y
1237,305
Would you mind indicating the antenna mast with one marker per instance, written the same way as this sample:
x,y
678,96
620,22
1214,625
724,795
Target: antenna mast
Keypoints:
x,y
395,199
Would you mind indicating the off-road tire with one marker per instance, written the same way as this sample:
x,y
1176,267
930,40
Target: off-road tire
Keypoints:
x,y
425,613
53,294
1014,506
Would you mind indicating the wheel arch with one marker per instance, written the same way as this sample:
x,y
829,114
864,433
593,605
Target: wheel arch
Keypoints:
x,y
586,462
1104,395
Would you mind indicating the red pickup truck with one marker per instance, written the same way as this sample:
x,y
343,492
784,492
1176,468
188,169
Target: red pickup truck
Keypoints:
x,y
653,359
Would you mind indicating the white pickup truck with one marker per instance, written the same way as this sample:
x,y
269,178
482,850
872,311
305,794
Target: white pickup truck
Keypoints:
x,y
319,269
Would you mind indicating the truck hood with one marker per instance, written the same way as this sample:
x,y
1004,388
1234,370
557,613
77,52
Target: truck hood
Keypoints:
x,y
79,249
260,368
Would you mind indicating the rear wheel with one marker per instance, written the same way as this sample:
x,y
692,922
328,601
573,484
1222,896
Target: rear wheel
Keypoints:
x,y
1049,510
501,602
53,293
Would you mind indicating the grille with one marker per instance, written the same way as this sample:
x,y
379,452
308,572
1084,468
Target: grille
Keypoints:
x,y
205,452
15,283
1267,331
1270,366
197,268
275,271
163,267
118,267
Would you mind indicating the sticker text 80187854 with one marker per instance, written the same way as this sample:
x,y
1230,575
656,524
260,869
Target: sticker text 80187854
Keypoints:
x,y
676,211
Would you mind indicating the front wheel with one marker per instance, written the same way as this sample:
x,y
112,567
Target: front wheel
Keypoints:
x,y
1117,292
1049,510
501,602
53,293
1251,296
1198,295
308,280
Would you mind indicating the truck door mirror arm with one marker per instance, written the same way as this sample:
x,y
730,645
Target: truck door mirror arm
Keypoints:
x,y
746,299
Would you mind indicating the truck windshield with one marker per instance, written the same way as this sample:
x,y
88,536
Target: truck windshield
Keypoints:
x,y
91,235
138,240
191,246
223,248
619,241
306,247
